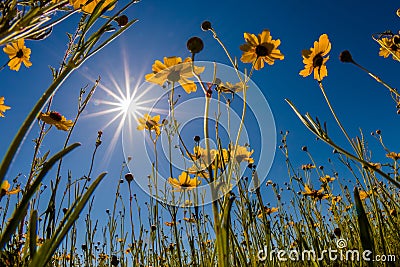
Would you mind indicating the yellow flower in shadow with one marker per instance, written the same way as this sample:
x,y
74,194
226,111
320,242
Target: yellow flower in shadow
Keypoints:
x,y
260,49
365,194
150,123
391,45
89,5
5,189
3,107
170,224
242,154
175,71
326,179
268,211
307,167
391,155
56,119
184,181
336,199
315,60
228,87
189,220
315,194
18,53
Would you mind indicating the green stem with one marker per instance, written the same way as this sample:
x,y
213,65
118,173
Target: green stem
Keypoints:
x,y
12,149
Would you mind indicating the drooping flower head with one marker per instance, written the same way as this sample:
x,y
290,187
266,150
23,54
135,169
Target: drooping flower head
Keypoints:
x,y
18,53
3,107
149,123
260,49
242,154
174,70
315,59
89,5
392,47
56,119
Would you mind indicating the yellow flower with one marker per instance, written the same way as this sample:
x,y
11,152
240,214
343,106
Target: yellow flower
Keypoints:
x,y
230,87
315,194
307,167
336,199
90,6
56,119
3,107
18,53
174,71
189,220
326,179
149,123
391,45
267,211
260,49
315,60
5,189
365,194
392,155
184,181
169,224
242,154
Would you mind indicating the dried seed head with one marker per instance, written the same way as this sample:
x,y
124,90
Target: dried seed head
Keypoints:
x,y
122,20
206,25
129,177
195,45
346,57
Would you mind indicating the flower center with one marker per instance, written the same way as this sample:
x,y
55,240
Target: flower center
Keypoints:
x,y
394,47
55,116
318,60
20,53
150,124
396,40
264,49
174,76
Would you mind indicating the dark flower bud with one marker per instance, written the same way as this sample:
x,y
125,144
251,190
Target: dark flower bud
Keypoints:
x,y
84,247
206,25
196,138
195,45
337,232
122,20
346,57
378,131
64,210
114,260
304,148
129,177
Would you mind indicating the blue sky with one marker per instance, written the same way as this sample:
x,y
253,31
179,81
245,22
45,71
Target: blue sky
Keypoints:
x,y
163,29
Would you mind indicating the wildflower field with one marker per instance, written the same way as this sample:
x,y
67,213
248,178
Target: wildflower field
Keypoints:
x,y
180,133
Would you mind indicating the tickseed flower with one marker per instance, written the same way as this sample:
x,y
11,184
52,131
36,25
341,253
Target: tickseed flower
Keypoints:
x,y
307,167
391,45
315,194
230,87
18,53
189,220
336,199
315,60
267,211
184,181
169,224
242,154
149,123
365,194
90,6
3,107
175,71
5,189
260,49
393,155
56,119
327,179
